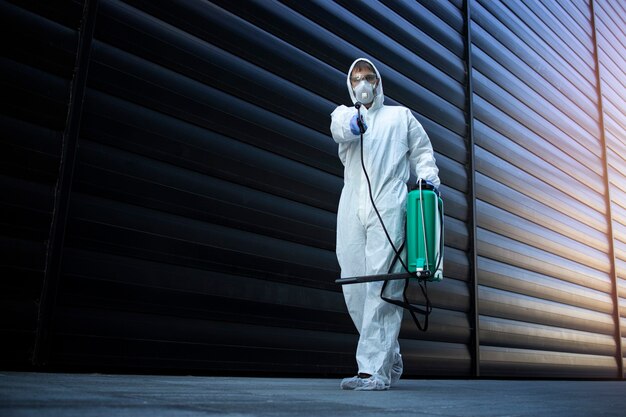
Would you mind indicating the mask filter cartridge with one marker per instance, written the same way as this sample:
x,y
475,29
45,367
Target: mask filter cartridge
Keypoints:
x,y
364,92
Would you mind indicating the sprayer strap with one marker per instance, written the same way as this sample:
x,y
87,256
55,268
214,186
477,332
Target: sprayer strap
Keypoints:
x,y
396,257
406,304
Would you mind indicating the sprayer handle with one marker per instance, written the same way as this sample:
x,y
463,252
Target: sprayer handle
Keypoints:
x,y
426,185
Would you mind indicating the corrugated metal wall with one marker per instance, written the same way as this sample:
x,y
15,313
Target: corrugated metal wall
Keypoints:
x,y
39,44
544,270
610,17
201,218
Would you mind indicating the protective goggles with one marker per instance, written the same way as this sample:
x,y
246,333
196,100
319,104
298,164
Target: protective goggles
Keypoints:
x,y
370,78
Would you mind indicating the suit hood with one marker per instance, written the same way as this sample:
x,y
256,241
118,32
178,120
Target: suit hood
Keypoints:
x,y
378,91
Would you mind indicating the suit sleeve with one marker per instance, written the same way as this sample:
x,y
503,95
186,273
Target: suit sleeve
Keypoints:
x,y
340,130
421,155
340,124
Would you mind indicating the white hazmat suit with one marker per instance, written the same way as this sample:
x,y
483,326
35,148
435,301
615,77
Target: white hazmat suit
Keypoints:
x,y
394,144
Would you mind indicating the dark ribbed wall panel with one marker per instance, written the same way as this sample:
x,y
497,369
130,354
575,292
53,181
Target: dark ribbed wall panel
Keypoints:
x,y
200,235
541,211
611,38
224,192
39,41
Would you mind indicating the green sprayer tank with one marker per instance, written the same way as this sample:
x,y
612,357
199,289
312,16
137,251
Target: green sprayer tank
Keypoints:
x,y
424,237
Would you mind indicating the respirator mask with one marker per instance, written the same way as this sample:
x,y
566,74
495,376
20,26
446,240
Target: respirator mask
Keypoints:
x,y
364,92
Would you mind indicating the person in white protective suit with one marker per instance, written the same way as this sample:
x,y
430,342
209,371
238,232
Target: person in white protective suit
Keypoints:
x,y
394,145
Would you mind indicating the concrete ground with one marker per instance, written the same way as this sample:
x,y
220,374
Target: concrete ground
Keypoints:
x,y
86,395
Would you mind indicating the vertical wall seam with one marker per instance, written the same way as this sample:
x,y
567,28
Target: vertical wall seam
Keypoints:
x,y
63,188
474,311
607,186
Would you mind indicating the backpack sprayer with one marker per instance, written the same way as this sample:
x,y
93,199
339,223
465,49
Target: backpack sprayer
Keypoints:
x,y
424,243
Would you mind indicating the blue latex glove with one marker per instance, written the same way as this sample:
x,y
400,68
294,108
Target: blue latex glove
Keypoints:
x,y
354,126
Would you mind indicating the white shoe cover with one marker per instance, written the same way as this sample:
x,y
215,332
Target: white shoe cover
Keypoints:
x,y
350,383
373,383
